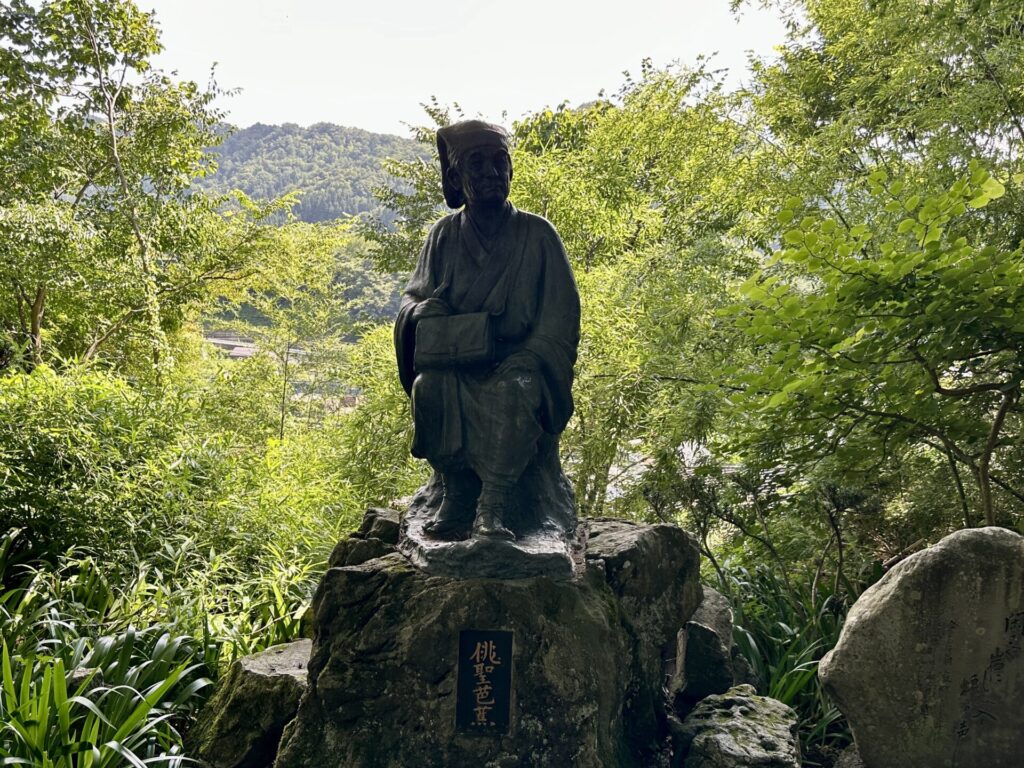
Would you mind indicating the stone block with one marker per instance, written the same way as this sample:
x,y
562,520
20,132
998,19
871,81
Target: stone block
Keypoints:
x,y
587,674
241,725
704,653
650,568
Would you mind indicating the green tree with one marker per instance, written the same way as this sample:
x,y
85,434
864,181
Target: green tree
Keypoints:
x,y
302,314
909,332
879,328
105,247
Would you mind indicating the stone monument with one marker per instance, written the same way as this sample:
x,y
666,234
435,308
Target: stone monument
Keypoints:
x,y
486,340
496,634
929,668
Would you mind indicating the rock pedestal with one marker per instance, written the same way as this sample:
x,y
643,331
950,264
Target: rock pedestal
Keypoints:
x,y
929,668
539,552
588,661
548,545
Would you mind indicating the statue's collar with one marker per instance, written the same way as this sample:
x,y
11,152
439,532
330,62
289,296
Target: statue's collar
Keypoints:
x,y
479,244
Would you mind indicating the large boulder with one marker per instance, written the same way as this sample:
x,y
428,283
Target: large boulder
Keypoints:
x,y
587,660
929,667
704,653
739,729
650,568
241,725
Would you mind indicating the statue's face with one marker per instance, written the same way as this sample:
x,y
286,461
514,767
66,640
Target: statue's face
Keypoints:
x,y
484,175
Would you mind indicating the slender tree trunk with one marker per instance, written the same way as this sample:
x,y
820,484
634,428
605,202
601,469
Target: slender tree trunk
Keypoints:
x,y
1010,398
111,93
820,570
965,508
737,523
705,546
36,325
834,522
284,390
770,544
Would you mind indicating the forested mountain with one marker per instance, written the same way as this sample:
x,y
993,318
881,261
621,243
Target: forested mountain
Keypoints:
x,y
333,168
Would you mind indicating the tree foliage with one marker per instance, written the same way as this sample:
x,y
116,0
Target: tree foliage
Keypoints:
x,y
885,321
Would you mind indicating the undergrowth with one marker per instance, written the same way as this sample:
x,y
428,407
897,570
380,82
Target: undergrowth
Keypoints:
x,y
783,627
104,667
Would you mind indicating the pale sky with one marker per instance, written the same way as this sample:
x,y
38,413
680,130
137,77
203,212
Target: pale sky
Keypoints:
x,y
371,63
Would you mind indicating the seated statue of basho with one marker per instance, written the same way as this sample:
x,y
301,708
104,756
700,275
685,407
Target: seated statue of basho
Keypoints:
x,y
486,339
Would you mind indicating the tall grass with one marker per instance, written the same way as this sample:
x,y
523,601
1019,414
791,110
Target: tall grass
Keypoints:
x,y
783,630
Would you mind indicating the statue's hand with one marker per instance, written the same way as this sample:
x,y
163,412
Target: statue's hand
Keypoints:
x,y
520,361
431,308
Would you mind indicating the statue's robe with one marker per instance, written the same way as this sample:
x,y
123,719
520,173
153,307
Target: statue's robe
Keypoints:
x,y
492,421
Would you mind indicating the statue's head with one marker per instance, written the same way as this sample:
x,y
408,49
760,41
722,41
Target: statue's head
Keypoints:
x,y
476,167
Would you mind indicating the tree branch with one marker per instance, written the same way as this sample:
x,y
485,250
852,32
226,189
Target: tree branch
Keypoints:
x,y
958,392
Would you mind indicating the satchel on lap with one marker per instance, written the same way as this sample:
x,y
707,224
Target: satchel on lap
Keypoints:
x,y
453,341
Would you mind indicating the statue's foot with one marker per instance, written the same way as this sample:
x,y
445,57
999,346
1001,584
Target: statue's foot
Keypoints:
x,y
452,520
489,525
447,530
454,517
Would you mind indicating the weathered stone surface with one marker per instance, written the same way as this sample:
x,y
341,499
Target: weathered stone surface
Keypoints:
x,y
704,663
742,673
587,671
380,523
739,729
715,613
650,569
241,725
377,536
929,668
537,551
849,758
353,551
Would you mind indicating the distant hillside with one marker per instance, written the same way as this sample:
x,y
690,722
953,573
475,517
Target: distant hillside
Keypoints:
x,y
335,168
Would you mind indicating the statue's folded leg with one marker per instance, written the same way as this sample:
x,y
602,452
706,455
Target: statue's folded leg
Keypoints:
x,y
502,427
437,417
455,515
501,416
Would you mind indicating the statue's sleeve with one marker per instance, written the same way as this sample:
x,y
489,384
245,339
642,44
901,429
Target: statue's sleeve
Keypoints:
x,y
555,336
420,287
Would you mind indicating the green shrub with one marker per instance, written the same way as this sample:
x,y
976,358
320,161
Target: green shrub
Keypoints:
x,y
82,685
68,447
91,462
72,695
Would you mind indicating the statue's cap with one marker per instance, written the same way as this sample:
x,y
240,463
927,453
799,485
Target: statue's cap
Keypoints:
x,y
457,139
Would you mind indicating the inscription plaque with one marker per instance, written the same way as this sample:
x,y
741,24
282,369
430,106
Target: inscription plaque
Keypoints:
x,y
483,698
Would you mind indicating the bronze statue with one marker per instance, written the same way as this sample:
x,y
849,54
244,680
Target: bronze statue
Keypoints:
x,y
486,339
